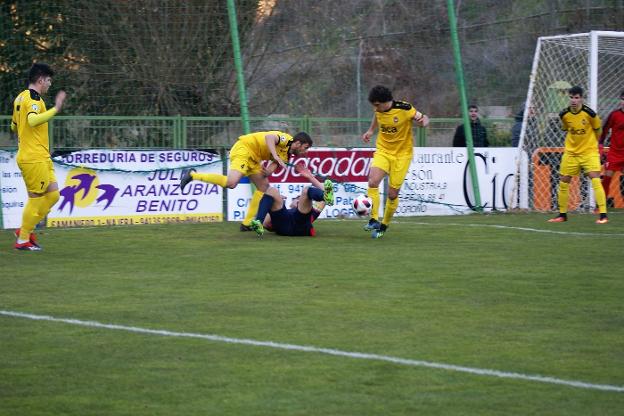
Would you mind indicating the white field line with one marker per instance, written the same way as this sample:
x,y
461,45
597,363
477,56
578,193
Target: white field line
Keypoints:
x,y
508,227
329,351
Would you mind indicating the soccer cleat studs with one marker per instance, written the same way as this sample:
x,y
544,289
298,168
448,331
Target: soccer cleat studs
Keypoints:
x,y
256,225
328,192
185,178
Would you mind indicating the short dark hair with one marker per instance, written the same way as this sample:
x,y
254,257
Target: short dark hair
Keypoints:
x,y
303,137
379,94
576,90
473,106
37,71
622,94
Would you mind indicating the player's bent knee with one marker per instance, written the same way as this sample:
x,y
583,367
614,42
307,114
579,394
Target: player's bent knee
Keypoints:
x,y
393,193
53,197
274,193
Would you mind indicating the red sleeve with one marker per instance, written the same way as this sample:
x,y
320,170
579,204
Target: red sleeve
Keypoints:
x,y
606,128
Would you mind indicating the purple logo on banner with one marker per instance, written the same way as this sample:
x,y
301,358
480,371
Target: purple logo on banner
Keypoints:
x,y
82,187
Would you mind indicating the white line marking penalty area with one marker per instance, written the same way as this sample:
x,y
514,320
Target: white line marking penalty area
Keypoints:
x,y
509,227
328,351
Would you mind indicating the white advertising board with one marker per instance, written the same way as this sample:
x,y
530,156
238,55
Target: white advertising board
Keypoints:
x,y
439,183
13,195
125,187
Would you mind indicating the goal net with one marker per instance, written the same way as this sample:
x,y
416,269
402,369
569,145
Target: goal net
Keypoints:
x,y
591,60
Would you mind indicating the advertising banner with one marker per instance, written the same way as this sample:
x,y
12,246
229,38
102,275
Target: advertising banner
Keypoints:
x,y
125,187
13,195
438,181
348,168
111,187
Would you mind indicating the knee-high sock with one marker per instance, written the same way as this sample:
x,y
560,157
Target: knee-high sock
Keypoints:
x,y
373,193
252,210
606,183
51,198
34,211
215,178
562,196
315,194
599,193
391,206
264,207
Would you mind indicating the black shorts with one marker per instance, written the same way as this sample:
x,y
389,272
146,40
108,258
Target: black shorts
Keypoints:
x,y
291,222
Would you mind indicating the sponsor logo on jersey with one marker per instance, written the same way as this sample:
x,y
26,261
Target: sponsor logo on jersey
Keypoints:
x,y
389,129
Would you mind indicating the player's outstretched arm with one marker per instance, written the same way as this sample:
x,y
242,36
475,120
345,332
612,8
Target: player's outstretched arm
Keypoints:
x,y
305,172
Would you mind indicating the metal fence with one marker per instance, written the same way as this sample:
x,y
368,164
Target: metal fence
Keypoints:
x,y
128,132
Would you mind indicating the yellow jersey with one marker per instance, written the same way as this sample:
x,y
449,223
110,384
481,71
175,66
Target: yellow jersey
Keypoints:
x,y
581,137
258,149
395,129
33,142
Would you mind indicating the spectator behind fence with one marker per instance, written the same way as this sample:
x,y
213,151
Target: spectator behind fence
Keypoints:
x,y
479,134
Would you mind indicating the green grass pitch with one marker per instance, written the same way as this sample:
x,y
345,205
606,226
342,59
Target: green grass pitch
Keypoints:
x,y
503,292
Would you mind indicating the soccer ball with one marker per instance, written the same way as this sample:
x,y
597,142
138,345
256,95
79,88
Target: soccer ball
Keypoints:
x,y
362,205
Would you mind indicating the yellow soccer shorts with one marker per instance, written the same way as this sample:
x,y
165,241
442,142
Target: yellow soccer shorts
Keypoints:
x,y
395,166
243,160
571,165
37,175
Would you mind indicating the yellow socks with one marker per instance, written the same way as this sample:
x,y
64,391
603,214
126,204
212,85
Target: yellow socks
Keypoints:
x,y
51,198
215,178
252,210
34,211
391,206
373,193
562,196
599,193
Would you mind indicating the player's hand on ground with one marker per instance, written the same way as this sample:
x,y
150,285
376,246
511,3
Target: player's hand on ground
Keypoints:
x,y
59,100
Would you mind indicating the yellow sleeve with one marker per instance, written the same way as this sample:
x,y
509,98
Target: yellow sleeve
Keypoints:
x,y
36,119
596,122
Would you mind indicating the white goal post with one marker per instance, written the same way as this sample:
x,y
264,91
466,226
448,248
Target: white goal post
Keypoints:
x,y
591,60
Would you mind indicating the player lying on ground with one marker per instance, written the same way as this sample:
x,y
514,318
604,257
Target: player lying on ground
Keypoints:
x,y
297,220
246,157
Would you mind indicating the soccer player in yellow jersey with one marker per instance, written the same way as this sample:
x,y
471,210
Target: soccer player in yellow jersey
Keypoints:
x,y
30,122
394,152
581,152
245,160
